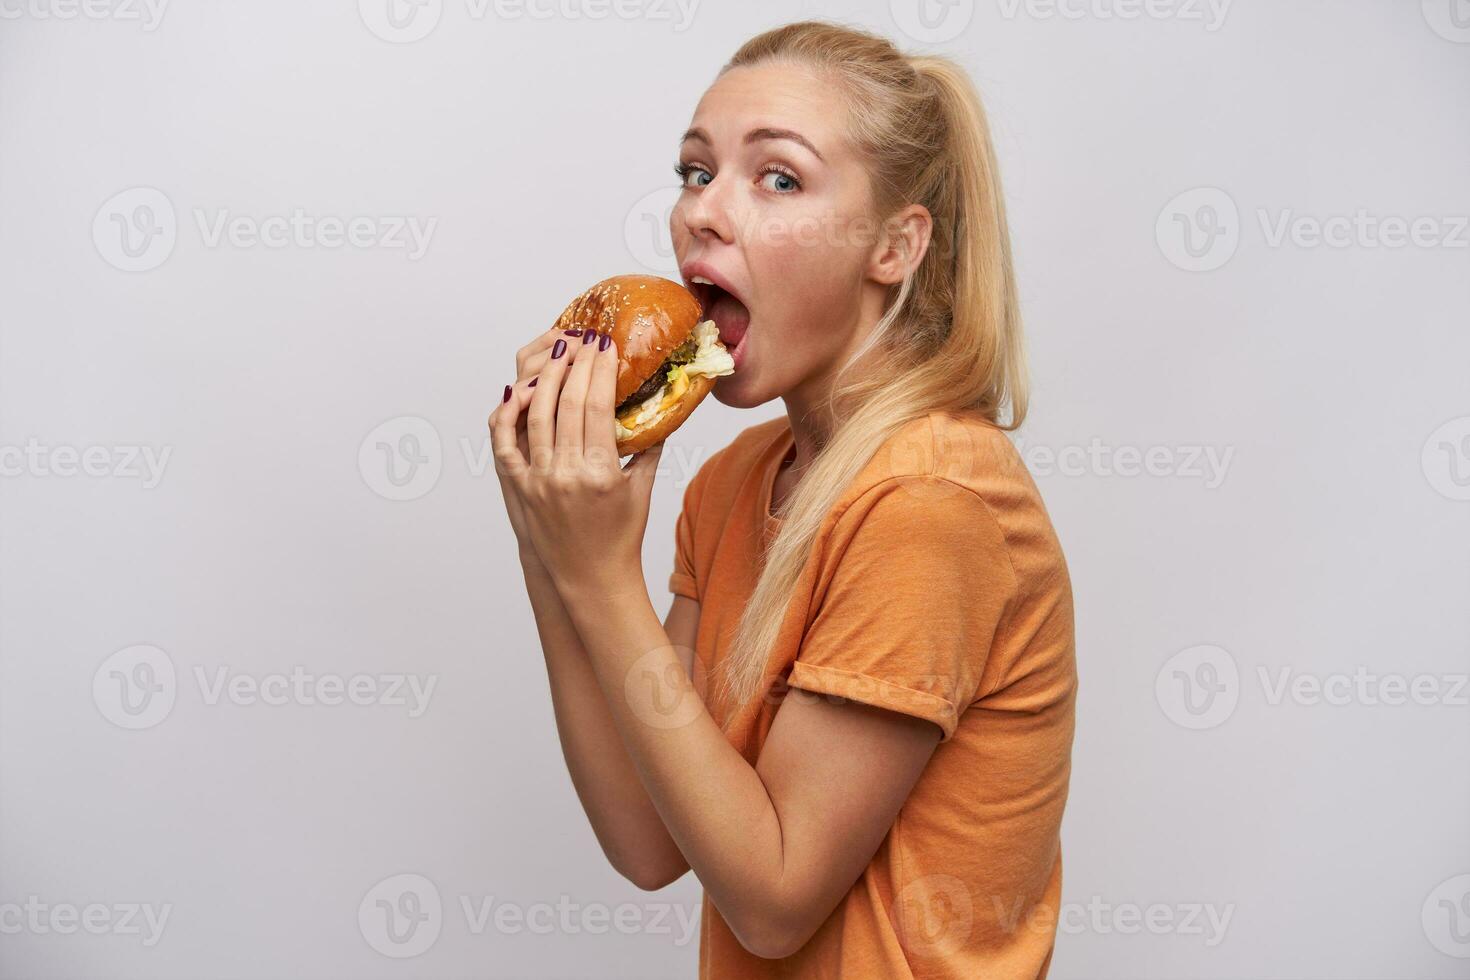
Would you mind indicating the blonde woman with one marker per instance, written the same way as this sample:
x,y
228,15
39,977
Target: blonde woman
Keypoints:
x,y
855,723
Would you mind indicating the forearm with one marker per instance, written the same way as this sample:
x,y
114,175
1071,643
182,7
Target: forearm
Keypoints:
x,y
712,802
627,825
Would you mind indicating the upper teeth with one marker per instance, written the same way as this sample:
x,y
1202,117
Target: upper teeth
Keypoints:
x,y
702,279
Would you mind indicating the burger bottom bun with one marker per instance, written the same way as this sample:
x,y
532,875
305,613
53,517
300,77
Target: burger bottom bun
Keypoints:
x,y
660,428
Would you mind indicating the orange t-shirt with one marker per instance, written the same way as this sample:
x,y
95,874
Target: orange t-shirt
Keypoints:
x,y
937,588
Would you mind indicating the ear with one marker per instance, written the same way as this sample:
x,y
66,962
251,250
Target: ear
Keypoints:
x,y
902,242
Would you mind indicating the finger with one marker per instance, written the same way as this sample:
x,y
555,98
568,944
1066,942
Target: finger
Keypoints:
x,y
571,410
644,468
504,444
531,358
600,429
541,416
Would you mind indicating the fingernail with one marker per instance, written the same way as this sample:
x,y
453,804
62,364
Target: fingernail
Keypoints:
x,y
604,342
533,382
559,348
574,332
589,337
506,397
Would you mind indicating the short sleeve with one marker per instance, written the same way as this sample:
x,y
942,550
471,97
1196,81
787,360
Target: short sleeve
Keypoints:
x,y
681,579
915,583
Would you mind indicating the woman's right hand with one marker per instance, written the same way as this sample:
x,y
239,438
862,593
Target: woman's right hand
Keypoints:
x,y
530,362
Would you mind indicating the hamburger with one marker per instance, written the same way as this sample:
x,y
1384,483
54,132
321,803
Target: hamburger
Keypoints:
x,y
668,355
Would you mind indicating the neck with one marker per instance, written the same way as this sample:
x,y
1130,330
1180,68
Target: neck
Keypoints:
x,y
806,405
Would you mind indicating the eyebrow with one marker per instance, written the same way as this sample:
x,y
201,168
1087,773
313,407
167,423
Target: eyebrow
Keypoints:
x,y
756,136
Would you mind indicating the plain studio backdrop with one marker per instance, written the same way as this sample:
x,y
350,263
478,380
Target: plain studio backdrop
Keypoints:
x,y
273,702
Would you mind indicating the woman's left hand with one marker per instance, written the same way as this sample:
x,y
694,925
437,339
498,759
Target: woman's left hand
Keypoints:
x,y
586,514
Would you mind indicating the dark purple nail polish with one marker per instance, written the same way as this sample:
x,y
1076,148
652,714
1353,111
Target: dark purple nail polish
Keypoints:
x,y
589,337
574,332
533,382
604,342
559,348
506,397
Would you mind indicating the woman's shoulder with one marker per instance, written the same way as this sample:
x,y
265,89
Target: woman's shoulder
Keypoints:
x,y
953,449
960,472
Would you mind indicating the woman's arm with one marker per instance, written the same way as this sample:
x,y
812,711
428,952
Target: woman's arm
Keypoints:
x,y
627,825
776,845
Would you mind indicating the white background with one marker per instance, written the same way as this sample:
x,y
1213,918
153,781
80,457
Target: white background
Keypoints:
x,y
1332,378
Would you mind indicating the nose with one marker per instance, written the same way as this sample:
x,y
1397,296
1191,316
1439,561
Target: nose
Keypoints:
x,y
705,213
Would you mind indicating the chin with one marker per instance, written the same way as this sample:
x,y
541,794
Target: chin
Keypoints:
x,y
736,393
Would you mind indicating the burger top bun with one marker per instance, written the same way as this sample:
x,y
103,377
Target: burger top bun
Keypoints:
x,y
647,316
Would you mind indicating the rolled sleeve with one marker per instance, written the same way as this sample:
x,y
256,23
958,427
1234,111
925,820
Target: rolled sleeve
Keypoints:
x,y
915,584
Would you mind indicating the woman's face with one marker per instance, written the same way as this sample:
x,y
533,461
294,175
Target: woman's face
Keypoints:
x,y
775,209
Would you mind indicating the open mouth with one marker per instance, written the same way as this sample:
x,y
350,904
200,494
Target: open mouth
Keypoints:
x,y
731,316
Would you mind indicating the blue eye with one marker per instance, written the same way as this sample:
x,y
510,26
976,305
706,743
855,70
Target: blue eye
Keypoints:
x,y
785,182
685,169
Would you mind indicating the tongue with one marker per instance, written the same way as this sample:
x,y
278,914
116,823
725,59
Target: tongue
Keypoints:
x,y
731,317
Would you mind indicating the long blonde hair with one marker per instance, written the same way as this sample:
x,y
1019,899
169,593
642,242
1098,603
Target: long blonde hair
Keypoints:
x,y
950,337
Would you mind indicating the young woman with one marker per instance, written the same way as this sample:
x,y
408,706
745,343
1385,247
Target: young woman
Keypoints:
x,y
855,723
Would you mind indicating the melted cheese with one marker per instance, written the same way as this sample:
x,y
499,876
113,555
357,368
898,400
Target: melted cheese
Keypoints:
x,y
710,359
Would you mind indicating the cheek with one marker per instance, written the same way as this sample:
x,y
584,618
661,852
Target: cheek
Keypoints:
x,y
809,283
